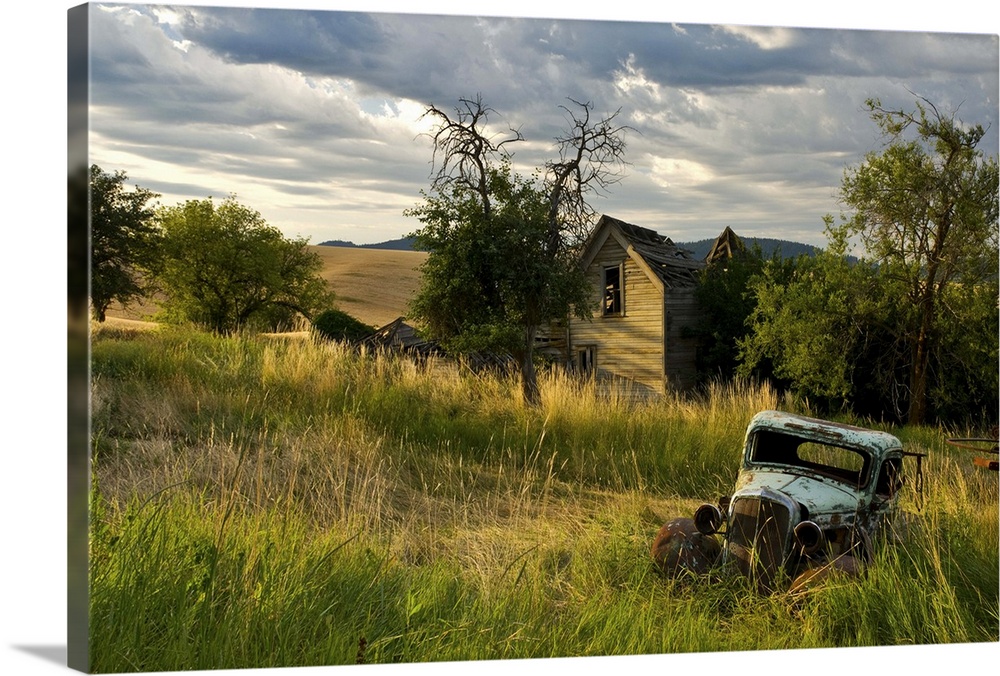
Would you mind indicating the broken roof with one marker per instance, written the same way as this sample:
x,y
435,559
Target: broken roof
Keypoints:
x,y
671,265
397,335
726,245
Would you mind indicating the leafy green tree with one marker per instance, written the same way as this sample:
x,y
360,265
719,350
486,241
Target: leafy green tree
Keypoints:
x,y
910,330
501,261
486,288
124,241
964,383
925,209
225,268
811,320
726,301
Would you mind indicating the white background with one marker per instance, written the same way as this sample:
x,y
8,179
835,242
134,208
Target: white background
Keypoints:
x,y
33,392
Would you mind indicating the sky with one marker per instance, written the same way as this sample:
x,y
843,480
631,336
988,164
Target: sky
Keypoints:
x,y
314,118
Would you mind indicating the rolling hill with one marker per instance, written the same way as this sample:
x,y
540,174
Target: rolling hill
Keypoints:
x,y
374,285
768,246
401,244
375,282
371,284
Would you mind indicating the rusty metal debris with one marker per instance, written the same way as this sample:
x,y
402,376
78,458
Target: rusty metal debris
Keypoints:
x,y
679,546
981,445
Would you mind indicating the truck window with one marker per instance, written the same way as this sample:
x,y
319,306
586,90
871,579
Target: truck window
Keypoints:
x,y
837,462
890,477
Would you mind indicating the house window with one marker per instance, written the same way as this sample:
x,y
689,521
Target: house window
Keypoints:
x,y
613,302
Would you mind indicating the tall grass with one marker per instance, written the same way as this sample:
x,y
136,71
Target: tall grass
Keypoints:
x,y
259,502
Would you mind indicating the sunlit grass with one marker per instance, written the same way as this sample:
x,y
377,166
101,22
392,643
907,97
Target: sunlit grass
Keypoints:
x,y
260,502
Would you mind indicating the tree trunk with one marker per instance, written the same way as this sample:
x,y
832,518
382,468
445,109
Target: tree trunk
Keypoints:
x,y
917,412
918,389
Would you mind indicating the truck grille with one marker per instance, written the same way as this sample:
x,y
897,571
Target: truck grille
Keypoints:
x,y
757,537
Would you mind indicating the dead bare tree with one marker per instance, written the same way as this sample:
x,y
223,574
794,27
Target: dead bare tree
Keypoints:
x,y
549,284
591,160
463,152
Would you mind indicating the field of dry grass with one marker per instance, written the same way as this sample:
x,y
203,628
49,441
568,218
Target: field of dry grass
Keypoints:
x,y
264,503
374,285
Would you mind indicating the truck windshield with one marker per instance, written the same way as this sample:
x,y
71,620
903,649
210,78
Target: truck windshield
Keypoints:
x,y
836,462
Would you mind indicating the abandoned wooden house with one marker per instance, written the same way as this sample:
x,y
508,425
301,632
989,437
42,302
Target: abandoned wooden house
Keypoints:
x,y
645,292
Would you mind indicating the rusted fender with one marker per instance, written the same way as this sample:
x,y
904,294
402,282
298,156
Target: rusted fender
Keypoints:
x,y
679,547
846,566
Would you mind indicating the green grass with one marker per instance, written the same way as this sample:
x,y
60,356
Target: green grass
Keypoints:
x,y
260,502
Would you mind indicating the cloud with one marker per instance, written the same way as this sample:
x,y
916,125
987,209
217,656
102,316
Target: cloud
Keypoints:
x,y
767,37
306,111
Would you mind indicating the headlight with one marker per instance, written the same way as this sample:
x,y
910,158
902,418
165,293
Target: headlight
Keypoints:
x,y
707,519
810,537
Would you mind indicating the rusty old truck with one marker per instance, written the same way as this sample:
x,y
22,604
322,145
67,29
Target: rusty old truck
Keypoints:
x,y
810,498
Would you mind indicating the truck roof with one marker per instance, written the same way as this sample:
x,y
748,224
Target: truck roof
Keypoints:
x,y
878,443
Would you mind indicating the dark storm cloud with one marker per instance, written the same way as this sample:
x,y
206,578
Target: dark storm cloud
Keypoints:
x,y
437,59
172,187
330,43
407,56
404,54
685,56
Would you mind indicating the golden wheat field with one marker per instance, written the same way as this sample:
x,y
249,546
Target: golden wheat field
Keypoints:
x,y
374,285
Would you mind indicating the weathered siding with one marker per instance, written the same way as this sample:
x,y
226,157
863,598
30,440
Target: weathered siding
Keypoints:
x,y
629,346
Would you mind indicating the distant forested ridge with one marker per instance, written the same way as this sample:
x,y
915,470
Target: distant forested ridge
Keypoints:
x,y
700,248
767,246
401,244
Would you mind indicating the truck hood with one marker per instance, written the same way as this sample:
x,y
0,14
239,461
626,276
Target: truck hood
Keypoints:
x,y
824,498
